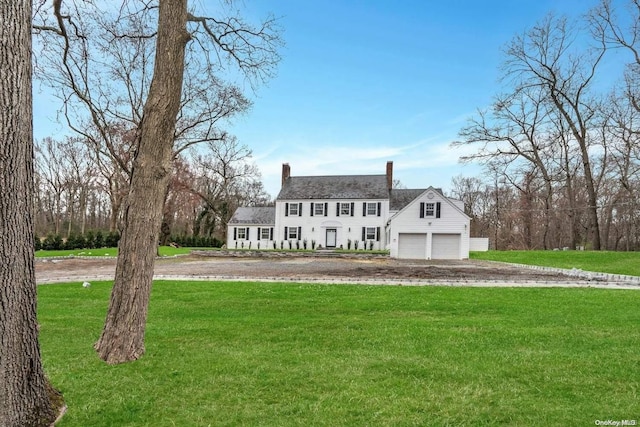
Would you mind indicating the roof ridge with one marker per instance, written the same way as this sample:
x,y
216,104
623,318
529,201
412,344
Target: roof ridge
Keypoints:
x,y
336,176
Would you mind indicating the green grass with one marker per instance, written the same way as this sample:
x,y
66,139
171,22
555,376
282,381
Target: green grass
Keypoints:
x,y
164,251
229,354
600,261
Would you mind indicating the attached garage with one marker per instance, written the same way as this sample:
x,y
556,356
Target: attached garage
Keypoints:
x,y
412,246
445,246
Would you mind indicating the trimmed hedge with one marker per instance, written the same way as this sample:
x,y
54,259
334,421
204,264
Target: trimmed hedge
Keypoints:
x,y
197,241
88,240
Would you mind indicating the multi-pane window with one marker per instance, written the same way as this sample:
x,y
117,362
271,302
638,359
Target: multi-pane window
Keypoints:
x,y
293,233
371,233
372,208
429,209
293,209
241,233
318,209
345,209
265,234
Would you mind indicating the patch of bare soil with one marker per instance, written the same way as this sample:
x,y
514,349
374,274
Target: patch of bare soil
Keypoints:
x,y
77,269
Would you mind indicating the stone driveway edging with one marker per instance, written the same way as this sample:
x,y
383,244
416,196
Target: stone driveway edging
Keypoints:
x,y
581,274
379,282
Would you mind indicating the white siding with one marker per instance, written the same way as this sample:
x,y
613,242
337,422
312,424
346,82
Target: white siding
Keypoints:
x,y
452,221
253,240
348,227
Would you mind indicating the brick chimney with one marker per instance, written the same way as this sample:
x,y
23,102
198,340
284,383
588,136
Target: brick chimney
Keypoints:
x,y
286,172
389,175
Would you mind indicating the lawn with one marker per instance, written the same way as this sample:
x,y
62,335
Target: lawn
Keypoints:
x,y
227,354
164,251
600,261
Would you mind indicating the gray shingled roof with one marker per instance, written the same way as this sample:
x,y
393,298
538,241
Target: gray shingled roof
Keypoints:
x,y
254,215
401,197
335,187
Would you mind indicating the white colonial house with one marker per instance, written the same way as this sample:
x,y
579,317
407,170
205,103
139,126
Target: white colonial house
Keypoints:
x,y
355,212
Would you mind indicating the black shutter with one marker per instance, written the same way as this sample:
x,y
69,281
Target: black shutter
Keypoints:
x,y
286,209
353,208
326,209
338,209
299,233
379,208
235,232
247,234
271,233
364,234
300,209
438,210
259,234
421,209
286,233
378,234
311,209
364,208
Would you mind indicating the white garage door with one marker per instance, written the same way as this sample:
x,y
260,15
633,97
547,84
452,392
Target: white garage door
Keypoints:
x,y
412,246
445,246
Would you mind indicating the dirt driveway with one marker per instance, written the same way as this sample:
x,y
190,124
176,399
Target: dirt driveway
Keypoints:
x,y
332,269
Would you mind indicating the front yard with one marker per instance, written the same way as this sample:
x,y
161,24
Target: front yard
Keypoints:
x,y
333,355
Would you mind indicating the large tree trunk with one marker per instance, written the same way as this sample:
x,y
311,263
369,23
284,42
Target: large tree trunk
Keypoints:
x,y
122,338
26,398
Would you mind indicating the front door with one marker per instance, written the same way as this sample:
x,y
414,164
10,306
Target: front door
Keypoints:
x,y
331,237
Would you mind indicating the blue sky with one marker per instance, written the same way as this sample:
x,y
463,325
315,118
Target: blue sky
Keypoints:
x,y
364,82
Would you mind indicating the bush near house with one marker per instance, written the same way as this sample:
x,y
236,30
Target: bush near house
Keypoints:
x,y
197,241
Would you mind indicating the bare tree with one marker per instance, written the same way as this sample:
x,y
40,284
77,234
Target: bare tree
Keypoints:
x,y
543,58
621,31
103,76
225,180
51,169
122,338
26,397
547,100
223,41
472,192
516,131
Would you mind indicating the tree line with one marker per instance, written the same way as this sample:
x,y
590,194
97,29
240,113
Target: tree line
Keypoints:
x,y
81,190
561,143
